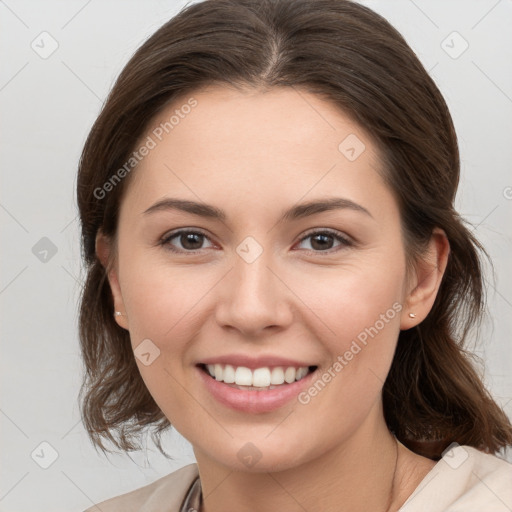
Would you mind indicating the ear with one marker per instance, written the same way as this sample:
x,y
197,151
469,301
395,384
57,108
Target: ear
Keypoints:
x,y
104,251
427,277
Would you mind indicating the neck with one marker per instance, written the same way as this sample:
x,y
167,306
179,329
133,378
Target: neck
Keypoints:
x,y
356,476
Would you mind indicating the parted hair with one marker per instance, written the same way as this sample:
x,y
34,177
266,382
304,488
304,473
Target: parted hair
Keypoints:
x,y
346,53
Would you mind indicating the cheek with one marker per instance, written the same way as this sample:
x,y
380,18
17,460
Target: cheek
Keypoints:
x,y
365,317
162,307
357,311
160,300
347,300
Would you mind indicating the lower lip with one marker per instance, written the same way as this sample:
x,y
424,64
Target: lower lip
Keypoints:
x,y
254,401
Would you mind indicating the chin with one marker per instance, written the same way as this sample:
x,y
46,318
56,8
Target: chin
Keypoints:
x,y
255,456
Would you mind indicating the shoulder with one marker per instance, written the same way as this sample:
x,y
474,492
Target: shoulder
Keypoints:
x,y
465,479
164,495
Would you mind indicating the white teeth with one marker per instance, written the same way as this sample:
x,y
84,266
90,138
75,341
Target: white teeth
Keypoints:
x,y
260,377
277,376
229,374
289,375
301,372
243,376
218,371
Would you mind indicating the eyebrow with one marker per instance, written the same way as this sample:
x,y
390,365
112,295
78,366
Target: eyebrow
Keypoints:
x,y
296,212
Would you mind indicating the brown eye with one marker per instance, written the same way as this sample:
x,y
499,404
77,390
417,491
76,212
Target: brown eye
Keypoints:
x,y
323,241
185,241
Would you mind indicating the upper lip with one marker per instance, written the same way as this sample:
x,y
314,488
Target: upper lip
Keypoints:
x,y
255,362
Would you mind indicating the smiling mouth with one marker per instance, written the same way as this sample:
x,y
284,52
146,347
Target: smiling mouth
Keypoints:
x,y
260,379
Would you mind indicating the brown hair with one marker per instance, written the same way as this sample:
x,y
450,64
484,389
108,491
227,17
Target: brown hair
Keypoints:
x,y
351,56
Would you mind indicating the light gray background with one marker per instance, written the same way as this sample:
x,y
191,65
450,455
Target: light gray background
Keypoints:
x,y
49,104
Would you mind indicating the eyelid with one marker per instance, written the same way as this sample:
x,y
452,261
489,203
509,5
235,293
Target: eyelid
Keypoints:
x,y
329,231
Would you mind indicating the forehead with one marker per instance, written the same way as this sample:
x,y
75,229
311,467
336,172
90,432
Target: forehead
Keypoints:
x,y
277,145
284,117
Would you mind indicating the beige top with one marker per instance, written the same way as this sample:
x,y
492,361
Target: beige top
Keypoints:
x,y
464,480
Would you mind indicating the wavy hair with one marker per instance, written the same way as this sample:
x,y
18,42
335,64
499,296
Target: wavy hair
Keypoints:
x,y
351,56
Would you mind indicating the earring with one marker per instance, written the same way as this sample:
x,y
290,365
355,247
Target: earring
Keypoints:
x,y
412,315
118,313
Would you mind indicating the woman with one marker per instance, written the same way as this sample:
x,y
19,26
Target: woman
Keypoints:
x,y
276,269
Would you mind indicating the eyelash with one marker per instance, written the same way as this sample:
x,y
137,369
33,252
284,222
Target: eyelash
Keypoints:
x,y
345,242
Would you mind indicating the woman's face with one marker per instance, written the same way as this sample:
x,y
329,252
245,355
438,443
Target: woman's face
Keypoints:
x,y
269,279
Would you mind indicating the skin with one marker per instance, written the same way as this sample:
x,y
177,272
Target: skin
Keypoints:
x,y
255,154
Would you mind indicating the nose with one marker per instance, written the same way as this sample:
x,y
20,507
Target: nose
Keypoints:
x,y
254,298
